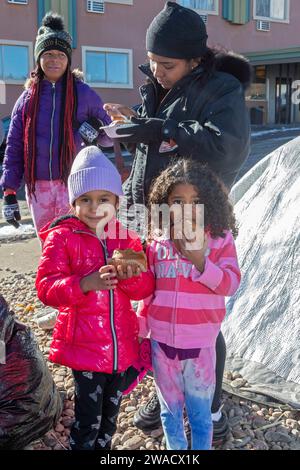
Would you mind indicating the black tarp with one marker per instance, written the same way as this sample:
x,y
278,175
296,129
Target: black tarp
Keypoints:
x,y
30,404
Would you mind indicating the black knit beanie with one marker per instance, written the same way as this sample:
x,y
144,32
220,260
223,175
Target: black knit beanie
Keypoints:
x,y
52,35
177,32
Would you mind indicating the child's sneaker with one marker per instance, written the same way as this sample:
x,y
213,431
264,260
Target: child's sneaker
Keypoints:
x,y
147,418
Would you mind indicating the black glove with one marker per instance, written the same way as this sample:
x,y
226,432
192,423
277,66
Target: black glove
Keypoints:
x,y
90,130
10,210
142,130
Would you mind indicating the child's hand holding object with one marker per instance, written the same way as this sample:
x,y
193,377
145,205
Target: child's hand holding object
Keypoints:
x,y
104,279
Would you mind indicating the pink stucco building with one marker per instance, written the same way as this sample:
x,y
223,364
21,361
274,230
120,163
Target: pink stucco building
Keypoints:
x,y
109,43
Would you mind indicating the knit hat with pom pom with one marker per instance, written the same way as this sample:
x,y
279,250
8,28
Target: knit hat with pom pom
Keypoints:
x,y
52,35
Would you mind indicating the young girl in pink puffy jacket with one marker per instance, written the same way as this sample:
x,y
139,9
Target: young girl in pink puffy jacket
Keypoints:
x,y
96,331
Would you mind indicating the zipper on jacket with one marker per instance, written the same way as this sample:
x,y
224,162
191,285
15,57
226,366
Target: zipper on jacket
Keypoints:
x,y
111,305
174,319
165,100
51,138
155,84
112,315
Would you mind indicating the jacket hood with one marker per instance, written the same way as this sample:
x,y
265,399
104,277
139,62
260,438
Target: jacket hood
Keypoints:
x,y
228,62
77,73
114,228
236,65
67,221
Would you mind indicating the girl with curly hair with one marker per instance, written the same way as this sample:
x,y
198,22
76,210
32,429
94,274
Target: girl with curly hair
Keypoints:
x,y
194,272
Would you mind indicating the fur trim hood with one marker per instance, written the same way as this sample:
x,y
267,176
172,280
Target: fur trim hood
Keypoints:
x,y
228,62
78,74
236,65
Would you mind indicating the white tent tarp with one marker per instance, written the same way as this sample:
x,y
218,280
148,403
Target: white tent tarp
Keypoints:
x,y
262,326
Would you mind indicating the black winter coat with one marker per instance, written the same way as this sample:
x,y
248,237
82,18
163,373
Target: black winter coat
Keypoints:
x,y
209,123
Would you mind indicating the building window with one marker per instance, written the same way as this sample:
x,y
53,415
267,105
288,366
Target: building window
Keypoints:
x,y
18,2
272,10
14,62
108,68
203,6
121,2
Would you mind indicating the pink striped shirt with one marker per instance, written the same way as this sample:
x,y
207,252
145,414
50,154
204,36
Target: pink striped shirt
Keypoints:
x,y
187,307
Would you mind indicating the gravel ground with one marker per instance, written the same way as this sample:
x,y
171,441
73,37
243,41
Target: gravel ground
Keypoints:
x,y
252,426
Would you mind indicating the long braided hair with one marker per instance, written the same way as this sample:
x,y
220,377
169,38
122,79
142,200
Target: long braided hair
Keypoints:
x,y
67,120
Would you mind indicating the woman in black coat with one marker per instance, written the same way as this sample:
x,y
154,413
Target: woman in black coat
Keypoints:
x,y
193,105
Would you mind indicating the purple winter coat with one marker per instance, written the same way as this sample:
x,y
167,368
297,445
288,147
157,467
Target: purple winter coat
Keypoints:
x,y
89,104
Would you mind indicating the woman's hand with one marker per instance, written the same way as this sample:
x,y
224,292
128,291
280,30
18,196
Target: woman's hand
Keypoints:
x,y
118,111
104,279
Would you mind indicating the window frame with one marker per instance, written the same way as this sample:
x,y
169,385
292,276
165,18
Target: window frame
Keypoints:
x,y
206,12
29,45
120,2
273,20
17,2
129,53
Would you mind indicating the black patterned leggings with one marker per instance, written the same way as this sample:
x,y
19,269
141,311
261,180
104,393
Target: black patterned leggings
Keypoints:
x,y
97,403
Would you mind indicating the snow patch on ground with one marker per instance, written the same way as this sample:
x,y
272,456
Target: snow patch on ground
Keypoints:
x,y
273,131
8,231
